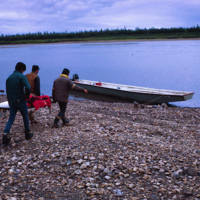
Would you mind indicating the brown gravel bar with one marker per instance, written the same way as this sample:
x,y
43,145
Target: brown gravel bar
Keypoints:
x,y
122,151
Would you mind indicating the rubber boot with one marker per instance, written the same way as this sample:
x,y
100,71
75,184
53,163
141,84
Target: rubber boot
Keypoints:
x,y
56,120
28,135
65,121
6,140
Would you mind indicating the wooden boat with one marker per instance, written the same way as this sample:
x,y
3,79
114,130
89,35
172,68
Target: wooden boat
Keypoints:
x,y
133,93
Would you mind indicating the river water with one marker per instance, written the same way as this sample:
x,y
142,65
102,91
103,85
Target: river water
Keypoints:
x,y
167,64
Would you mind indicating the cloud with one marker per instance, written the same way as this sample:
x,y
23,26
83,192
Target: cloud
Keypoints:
x,y
67,15
12,15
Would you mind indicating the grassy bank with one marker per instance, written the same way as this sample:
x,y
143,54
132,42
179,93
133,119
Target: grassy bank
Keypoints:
x,y
106,35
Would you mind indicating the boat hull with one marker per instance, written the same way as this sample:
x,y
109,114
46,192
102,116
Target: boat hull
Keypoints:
x,y
147,98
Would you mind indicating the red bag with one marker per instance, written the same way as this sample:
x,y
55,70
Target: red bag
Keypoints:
x,y
38,101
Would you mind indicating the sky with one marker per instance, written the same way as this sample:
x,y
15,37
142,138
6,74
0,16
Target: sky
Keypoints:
x,y
30,16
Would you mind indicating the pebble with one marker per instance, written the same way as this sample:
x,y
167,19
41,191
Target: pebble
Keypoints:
x,y
178,173
85,165
80,161
107,177
131,186
92,158
118,192
78,172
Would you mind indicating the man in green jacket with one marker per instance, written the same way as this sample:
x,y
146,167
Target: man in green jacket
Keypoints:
x,y
17,89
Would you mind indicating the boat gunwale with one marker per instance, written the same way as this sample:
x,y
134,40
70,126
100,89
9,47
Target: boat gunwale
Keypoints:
x,y
146,90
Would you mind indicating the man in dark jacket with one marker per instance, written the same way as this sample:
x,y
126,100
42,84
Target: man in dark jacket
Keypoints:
x,y
17,89
34,80
60,93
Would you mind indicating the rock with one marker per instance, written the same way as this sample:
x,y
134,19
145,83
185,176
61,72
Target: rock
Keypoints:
x,y
14,158
126,175
131,186
92,158
69,161
101,167
106,171
177,173
107,177
187,193
11,171
118,192
164,105
190,171
80,161
78,172
12,198
85,165
162,171
154,197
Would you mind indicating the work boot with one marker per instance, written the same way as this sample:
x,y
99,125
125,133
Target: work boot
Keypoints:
x,y
55,124
6,140
28,135
65,121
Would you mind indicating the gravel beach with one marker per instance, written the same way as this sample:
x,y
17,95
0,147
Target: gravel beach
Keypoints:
x,y
109,151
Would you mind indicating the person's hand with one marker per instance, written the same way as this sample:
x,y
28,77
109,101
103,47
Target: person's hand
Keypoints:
x,y
85,91
32,94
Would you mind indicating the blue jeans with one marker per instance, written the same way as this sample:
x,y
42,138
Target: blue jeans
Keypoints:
x,y
22,107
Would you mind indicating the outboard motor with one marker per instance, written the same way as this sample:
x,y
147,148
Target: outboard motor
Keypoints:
x,y
75,77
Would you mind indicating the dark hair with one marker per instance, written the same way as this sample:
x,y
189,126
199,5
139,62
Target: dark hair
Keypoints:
x,y
65,71
35,68
75,77
20,66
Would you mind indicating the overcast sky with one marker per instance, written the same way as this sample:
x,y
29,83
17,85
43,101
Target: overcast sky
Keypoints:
x,y
23,16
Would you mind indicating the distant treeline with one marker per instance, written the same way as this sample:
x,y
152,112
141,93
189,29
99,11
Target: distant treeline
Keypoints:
x,y
151,33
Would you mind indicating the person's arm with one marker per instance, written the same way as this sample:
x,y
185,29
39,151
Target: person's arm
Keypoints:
x,y
53,92
75,87
26,86
37,86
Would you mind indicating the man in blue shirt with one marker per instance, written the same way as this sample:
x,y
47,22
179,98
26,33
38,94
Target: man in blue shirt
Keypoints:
x,y
17,89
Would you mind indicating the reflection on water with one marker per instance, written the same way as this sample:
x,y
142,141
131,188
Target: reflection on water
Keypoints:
x,y
156,64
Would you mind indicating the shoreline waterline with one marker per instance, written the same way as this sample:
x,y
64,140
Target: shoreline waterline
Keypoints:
x,y
76,96
99,41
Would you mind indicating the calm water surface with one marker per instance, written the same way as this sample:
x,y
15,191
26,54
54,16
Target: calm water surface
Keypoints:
x,y
157,64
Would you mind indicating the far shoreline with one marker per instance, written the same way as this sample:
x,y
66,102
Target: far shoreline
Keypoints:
x,y
97,41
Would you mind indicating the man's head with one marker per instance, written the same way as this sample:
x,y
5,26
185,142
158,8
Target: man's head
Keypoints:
x,y
35,69
65,71
20,67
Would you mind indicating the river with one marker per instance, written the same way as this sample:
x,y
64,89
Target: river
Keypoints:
x,y
165,64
